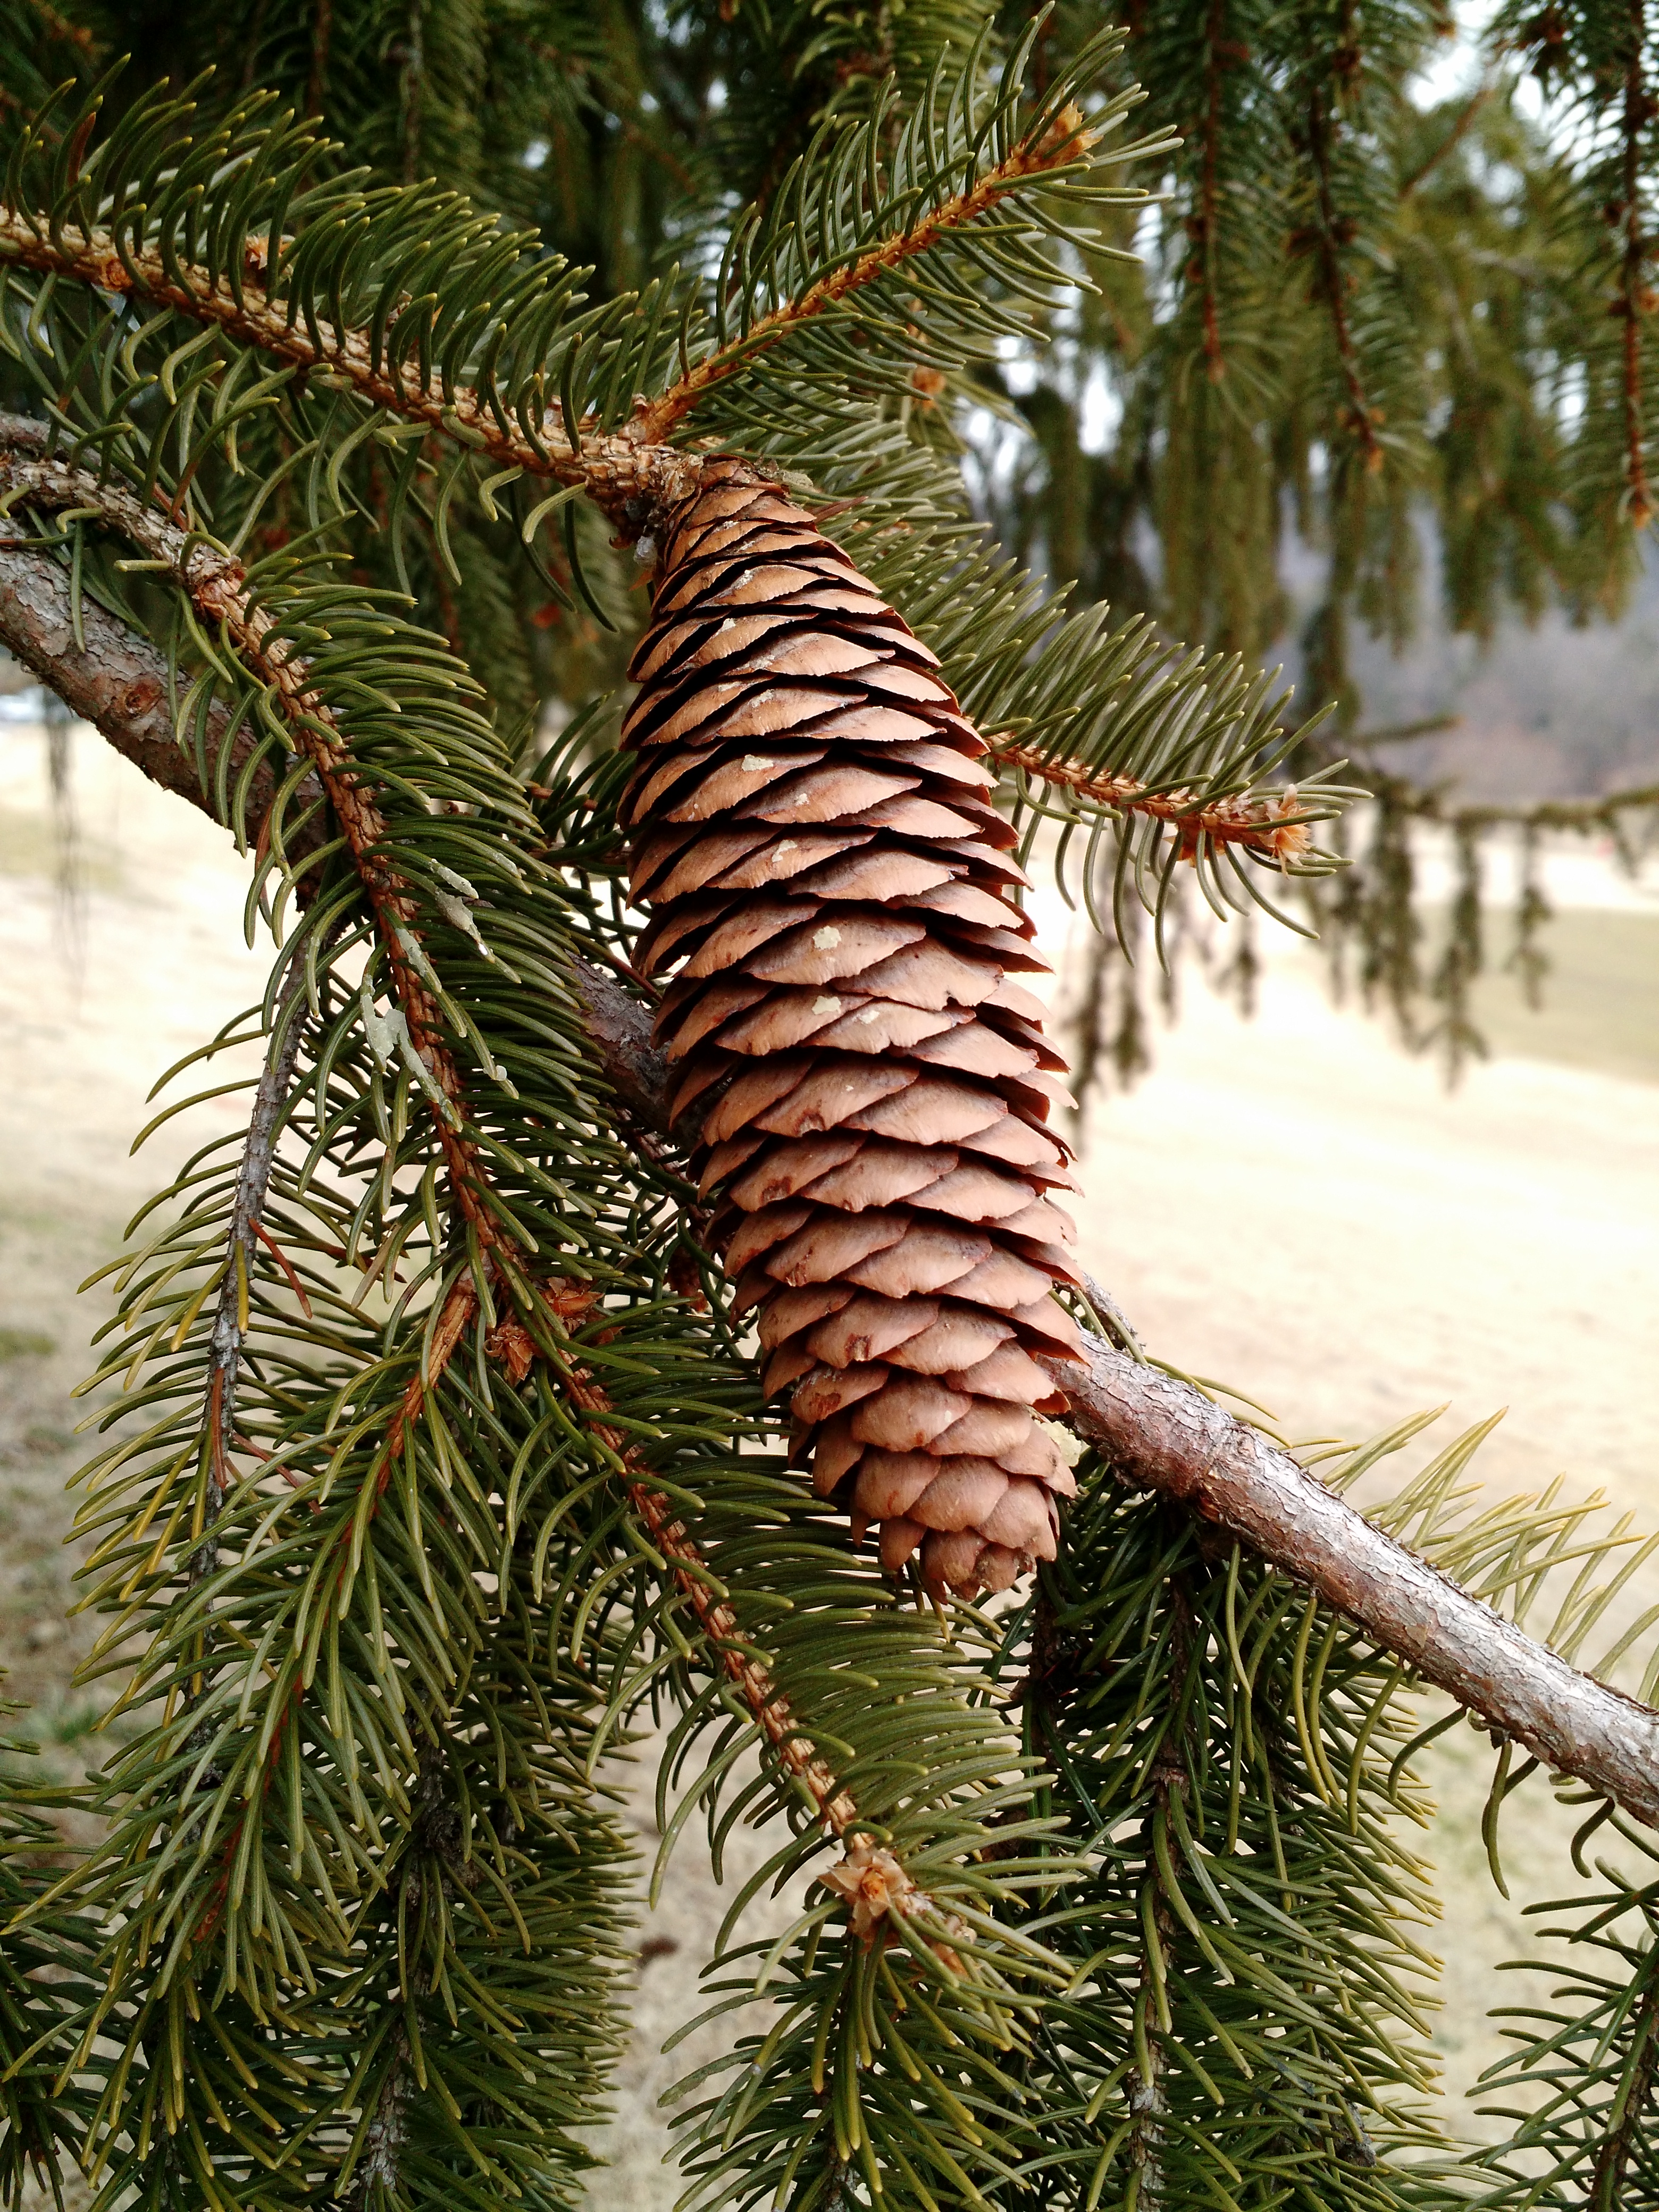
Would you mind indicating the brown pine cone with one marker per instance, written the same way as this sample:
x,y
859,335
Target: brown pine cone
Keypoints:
x,y
867,1082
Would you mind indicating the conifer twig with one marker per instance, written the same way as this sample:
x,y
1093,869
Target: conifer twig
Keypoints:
x,y
247,1209
1434,803
834,1808
614,468
870,1879
1613,2156
516,1348
630,473
1274,826
118,681
1634,302
216,584
1450,143
1324,237
1204,262
120,684
1064,140
1148,2098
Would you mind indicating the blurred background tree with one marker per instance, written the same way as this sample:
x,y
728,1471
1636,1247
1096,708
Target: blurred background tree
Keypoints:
x,y
1383,357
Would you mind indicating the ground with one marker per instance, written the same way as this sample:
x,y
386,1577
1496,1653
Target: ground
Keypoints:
x,y
1290,1205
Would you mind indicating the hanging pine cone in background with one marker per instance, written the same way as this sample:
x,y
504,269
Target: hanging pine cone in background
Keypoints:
x,y
865,1079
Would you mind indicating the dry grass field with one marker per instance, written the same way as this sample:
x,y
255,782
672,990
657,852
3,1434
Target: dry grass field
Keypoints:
x,y
1290,1205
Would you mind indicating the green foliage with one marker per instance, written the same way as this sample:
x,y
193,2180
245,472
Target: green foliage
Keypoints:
x,y
1584,2066
438,1466
1245,2021
1354,306
46,1990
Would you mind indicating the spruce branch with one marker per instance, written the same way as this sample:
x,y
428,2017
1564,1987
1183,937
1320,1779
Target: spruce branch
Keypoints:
x,y
1635,302
114,678
620,1027
1227,1744
619,471
1332,284
1584,2060
1609,2174
120,683
1600,812
854,212
1205,219
217,585
253,1185
871,1882
1165,1433
1449,142
387,2133
1274,827
567,1305
833,1807
1148,2100
869,1878
1055,146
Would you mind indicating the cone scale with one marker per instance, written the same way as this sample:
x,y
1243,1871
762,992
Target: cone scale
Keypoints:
x,y
860,1072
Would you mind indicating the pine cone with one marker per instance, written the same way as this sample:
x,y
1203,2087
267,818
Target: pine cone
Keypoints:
x,y
868,1085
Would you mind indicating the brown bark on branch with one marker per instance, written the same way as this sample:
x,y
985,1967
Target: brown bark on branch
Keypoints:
x,y
1167,1435
634,474
620,472
217,586
118,681
834,1809
1063,143
1272,824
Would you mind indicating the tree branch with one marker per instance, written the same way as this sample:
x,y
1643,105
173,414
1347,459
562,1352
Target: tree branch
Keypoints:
x,y
1436,804
1634,301
1202,269
1064,140
868,1879
1325,238
246,1222
117,682
1450,143
1161,1431
215,584
621,472
834,1808
632,474
1167,1435
1275,826
1630,2104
